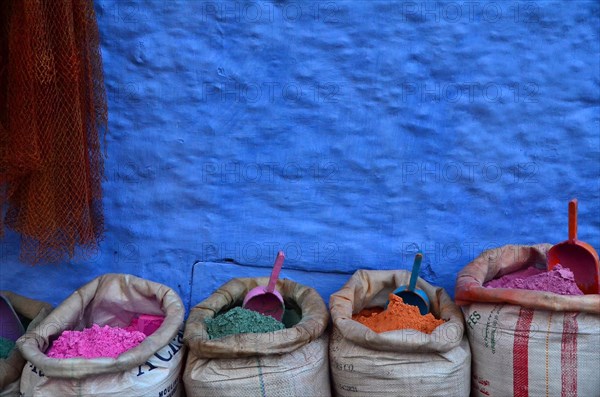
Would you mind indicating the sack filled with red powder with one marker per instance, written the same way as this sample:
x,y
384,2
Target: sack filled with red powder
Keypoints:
x,y
397,351
537,324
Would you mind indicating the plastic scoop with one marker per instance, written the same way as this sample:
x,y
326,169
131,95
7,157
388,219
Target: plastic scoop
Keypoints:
x,y
579,257
10,325
267,301
409,294
146,323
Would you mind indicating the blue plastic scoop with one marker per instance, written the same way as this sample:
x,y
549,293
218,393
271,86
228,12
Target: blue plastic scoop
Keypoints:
x,y
409,294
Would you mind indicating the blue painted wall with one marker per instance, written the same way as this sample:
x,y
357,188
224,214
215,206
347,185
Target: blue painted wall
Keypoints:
x,y
348,133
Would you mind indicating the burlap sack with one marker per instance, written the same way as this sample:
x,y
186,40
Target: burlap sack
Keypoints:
x,y
528,343
290,362
396,363
150,369
12,366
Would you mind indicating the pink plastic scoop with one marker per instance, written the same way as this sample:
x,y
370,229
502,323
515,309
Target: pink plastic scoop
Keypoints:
x,y
267,301
579,257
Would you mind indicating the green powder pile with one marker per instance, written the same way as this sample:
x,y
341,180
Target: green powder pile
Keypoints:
x,y
241,321
6,346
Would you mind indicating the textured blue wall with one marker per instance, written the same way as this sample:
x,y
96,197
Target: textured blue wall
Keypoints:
x,y
345,132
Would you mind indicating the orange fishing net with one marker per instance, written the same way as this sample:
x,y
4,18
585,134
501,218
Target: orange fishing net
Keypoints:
x,y
52,111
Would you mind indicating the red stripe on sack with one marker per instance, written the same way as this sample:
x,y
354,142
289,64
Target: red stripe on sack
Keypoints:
x,y
568,355
521,354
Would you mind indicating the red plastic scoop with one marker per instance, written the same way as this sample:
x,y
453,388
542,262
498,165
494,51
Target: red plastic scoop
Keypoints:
x,y
267,301
578,256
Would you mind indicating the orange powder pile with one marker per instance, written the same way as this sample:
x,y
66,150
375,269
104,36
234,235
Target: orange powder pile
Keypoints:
x,y
398,315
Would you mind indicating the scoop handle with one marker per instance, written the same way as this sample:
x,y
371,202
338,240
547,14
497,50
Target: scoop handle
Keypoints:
x,y
415,272
572,220
276,269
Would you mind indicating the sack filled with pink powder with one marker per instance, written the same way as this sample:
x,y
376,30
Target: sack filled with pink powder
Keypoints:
x,y
559,280
117,335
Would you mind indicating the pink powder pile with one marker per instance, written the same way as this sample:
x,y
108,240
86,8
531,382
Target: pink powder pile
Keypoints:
x,y
95,342
559,280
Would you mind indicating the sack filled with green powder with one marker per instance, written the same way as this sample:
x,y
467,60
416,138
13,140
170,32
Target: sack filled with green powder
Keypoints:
x,y
233,351
30,312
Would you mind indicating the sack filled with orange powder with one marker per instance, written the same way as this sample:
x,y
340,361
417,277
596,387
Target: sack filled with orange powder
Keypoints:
x,y
398,351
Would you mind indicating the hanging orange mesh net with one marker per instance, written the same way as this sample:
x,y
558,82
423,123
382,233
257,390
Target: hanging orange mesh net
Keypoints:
x,y
52,112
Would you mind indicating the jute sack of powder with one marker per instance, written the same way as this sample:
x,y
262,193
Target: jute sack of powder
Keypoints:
x,y
396,363
290,362
528,343
12,366
153,368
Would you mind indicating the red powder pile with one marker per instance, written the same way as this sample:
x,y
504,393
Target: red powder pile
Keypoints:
x,y
559,280
95,342
398,315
